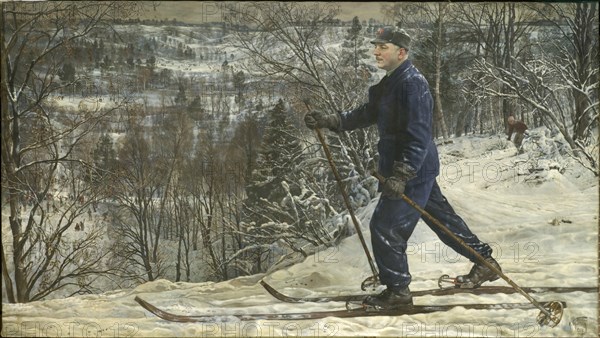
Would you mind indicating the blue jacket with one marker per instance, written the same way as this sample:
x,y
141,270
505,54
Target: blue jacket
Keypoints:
x,y
402,107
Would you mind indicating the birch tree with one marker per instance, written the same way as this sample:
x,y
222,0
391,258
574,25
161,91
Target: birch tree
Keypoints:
x,y
36,150
499,33
577,25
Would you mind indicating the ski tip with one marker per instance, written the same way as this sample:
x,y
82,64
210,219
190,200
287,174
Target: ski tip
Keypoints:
x,y
142,302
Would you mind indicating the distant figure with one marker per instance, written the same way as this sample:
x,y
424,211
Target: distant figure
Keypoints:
x,y
519,127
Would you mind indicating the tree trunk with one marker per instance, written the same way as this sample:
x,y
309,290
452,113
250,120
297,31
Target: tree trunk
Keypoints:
x,y
508,106
583,30
439,112
179,244
7,161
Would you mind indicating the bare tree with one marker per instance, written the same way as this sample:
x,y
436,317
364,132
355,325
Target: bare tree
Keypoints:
x,y
36,150
245,144
499,33
284,41
138,181
174,143
182,219
206,185
577,25
560,81
541,85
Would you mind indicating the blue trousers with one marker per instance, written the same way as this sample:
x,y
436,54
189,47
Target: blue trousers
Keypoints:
x,y
393,223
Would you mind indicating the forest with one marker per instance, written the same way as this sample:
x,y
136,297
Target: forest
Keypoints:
x,y
134,151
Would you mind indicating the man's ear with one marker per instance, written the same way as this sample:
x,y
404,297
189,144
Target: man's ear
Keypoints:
x,y
401,52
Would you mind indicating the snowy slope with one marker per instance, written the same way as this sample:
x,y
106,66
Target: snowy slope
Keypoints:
x,y
543,226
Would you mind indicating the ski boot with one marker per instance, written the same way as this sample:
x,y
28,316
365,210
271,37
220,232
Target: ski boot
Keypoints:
x,y
390,299
478,275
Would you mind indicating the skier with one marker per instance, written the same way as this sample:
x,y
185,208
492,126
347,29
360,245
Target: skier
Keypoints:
x,y
519,128
401,106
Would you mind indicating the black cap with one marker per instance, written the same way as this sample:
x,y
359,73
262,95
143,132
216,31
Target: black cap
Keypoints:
x,y
394,35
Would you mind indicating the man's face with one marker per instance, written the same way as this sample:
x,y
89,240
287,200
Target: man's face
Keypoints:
x,y
387,55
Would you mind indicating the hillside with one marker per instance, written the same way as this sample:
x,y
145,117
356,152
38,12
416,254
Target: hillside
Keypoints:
x,y
538,210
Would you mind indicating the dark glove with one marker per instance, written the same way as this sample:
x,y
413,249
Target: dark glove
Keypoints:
x,y
319,119
394,186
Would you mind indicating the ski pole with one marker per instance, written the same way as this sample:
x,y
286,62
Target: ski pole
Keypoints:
x,y
545,317
338,179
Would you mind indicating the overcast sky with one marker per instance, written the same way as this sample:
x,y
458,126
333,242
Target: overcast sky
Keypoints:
x,y
208,11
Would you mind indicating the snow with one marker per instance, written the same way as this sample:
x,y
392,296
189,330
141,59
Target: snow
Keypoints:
x,y
539,212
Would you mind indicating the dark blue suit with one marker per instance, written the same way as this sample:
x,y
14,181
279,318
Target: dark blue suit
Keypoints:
x,y
402,107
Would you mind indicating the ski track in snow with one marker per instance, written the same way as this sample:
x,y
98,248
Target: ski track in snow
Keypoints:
x,y
543,234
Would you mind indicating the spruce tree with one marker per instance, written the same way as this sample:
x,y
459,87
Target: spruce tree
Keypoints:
x,y
353,52
275,160
104,157
268,214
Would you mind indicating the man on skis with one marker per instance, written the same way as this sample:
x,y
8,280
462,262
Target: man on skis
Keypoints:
x,y
402,108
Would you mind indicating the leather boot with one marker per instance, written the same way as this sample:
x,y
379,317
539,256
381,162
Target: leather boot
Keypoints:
x,y
390,298
478,275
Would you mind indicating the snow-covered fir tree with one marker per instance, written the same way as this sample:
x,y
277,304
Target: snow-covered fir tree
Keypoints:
x,y
282,212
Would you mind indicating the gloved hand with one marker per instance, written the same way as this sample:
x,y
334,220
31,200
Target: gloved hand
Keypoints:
x,y
319,119
394,186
